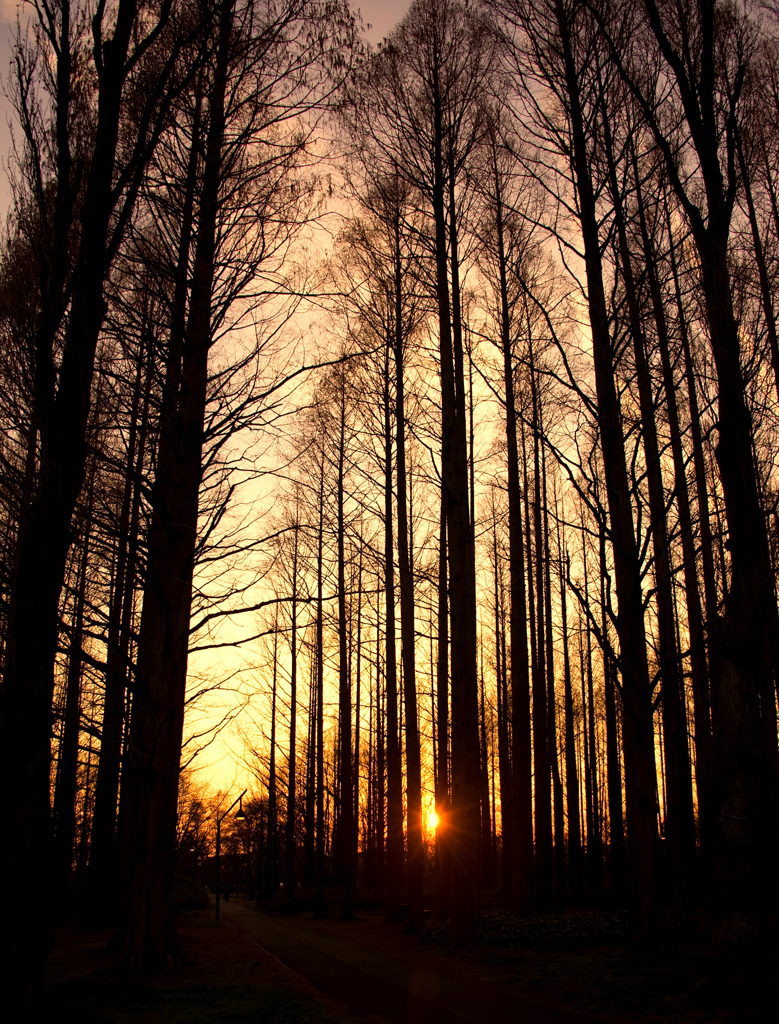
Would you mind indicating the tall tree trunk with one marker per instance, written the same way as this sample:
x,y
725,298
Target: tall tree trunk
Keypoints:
x,y
506,793
541,761
521,810
290,846
394,871
487,858
147,925
744,896
680,829
613,772
102,855
464,813
309,814
407,627
575,858
702,715
347,831
638,733
381,753
358,694
320,908
594,843
273,799
557,785
442,782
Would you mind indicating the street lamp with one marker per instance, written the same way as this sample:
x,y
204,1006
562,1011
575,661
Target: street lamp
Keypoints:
x,y
219,819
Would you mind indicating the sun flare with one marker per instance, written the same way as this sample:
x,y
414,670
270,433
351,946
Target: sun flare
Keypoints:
x,y
432,820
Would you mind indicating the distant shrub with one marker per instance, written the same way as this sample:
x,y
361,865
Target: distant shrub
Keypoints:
x,y
499,928
189,894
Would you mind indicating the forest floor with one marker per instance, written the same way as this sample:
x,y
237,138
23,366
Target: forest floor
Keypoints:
x,y
224,978
269,968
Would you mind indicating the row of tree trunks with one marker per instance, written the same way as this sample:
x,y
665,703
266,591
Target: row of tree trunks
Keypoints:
x,y
146,929
62,402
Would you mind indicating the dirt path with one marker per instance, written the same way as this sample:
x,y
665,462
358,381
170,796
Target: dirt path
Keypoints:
x,y
383,977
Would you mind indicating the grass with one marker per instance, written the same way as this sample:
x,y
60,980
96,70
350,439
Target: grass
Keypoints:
x,y
224,979
132,1003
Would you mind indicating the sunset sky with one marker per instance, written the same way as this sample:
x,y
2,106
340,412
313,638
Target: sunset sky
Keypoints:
x,y
218,763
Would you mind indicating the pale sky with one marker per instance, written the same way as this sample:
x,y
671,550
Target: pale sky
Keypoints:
x,y
8,10
382,15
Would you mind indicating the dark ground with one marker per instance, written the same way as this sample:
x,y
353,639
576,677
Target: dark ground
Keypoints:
x,y
268,968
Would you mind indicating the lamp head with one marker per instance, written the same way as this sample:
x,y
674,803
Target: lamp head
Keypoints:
x,y
239,815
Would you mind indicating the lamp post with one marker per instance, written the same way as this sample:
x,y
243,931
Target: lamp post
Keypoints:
x,y
219,819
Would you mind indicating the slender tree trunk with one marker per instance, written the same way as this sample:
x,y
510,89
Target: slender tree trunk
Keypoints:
x,y
348,837
613,773
64,810
704,753
521,821
381,753
102,855
594,842
680,831
320,908
394,872
487,859
557,785
407,627
506,793
291,839
309,845
541,761
358,694
273,800
575,858
442,787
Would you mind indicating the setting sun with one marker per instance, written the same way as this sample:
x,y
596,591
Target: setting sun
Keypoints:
x,y
432,820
